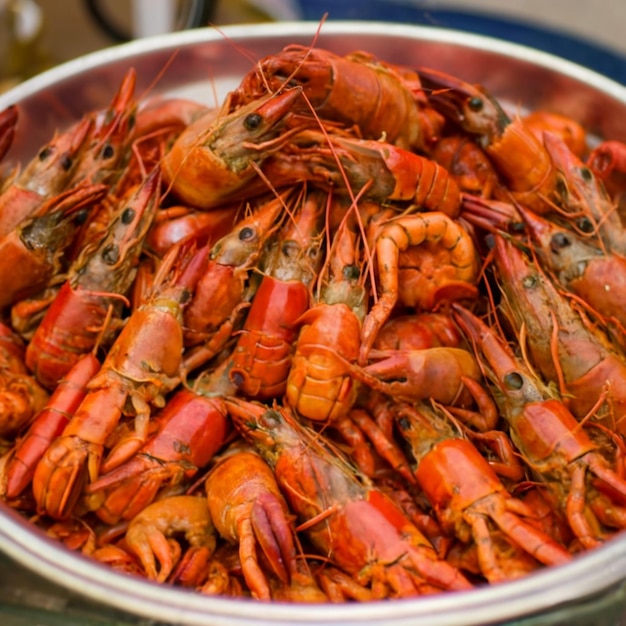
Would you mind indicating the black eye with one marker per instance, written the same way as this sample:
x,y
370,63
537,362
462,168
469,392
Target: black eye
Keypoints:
x,y
80,217
559,241
252,121
237,378
585,172
404,423
128,215
110,255
26,236
351,272
246,233
585,225
475,104
66,162
561,188
44,153
107,151
517,227
513,381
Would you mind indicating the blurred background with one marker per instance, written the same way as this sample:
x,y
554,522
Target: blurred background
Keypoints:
x,y
37,34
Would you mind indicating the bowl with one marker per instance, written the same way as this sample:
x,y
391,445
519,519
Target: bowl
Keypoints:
x,y
204,65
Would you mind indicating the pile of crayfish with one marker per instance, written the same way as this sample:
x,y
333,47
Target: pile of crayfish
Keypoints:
x,y
356,334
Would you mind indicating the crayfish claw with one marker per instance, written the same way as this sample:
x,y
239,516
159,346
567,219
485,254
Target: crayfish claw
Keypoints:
x,y
121,452
275,537
149,533
61,475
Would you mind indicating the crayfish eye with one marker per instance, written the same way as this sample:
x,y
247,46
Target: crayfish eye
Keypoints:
x,y
111,254
44,153
351,272
475,104
561,188
559,241
513,381
252,121
404,423
81,216
66,162
246,233
108,151
585,172
585,225
128,215
237,378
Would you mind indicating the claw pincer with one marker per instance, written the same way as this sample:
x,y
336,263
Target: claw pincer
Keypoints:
x,y
342,514
138,372
559,451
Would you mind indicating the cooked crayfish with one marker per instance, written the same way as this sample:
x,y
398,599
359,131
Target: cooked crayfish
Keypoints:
x,y
248,509
378,171
48,424
149,532
37,244
320,385
262,356
589,208
44,178
596,276
467,495
558,450
452,275
135,376
191,428
94,292
109,137
356,334
563,345
381,99
224,289
512,146
342,514
21,396
208,166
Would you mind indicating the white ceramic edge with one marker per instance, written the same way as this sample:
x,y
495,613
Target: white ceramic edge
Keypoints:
x,y
588,574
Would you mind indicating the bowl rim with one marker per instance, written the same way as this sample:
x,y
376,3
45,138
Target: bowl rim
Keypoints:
x,y
587,575
242,32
